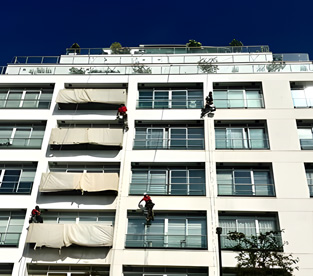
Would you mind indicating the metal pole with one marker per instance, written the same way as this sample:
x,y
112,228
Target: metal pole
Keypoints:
x,y
219,232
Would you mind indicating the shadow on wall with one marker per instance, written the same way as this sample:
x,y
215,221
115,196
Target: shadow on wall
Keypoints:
x,y
72,153
91,110
86,199
80,253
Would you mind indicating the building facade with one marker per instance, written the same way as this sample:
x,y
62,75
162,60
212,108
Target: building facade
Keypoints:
x,y
247,168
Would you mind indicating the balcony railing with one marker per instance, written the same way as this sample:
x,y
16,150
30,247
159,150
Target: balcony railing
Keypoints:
x,y
171,144
169,104
306,144
166,69
9,238
20,143
169,50
229,244
24,104
239,103
166,241
242,143
166,189
246,189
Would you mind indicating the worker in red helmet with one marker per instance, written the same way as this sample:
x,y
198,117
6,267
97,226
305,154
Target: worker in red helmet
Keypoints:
x,y
148,205
36,215
122,115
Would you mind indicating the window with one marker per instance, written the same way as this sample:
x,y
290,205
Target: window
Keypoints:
x,y
28,98
167,231
79,217
21,136
173,137
175,99
302,96
305,137
164,271
237,95
237,136
16,178
11,226
249,225
64,270
168,180
309,177
245,182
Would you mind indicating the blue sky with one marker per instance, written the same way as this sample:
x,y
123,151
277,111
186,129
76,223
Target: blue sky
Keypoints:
x,y
46,28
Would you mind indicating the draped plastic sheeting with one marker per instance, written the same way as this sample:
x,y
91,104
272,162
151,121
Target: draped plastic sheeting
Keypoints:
x,y
90,182
108,96
60,235
97,136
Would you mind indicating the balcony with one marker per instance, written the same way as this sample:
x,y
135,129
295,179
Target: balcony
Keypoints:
x,y
21,136
173,230
172,138
228,244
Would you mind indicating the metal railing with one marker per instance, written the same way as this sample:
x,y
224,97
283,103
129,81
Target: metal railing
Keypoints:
x,y
20,143
239,103
166,69
242,143
229,244
171,144
166,241
36,59
168,50
167,189
9,238
245,189
24,104
169,104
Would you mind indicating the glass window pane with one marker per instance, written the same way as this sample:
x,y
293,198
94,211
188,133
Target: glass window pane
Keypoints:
x,y
145,99
220,138
157,182
236,98
179,182
14,99
254,99
31,100
179,99
258,138
161,99
178,138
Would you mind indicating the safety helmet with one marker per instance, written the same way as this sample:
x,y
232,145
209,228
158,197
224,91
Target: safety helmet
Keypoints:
x,y
144,193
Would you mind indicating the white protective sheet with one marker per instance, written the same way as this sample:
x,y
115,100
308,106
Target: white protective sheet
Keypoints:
x,y
108,96
60,235
90,182
98,136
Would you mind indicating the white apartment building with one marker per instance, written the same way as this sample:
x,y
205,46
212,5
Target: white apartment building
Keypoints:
x,y
247,168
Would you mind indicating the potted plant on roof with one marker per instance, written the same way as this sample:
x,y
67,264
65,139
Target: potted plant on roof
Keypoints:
x,y
236,46
194,46
74,49
117,49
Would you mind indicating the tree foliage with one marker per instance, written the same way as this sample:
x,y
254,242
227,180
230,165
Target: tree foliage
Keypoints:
x,y
235,42
193,43
262,253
